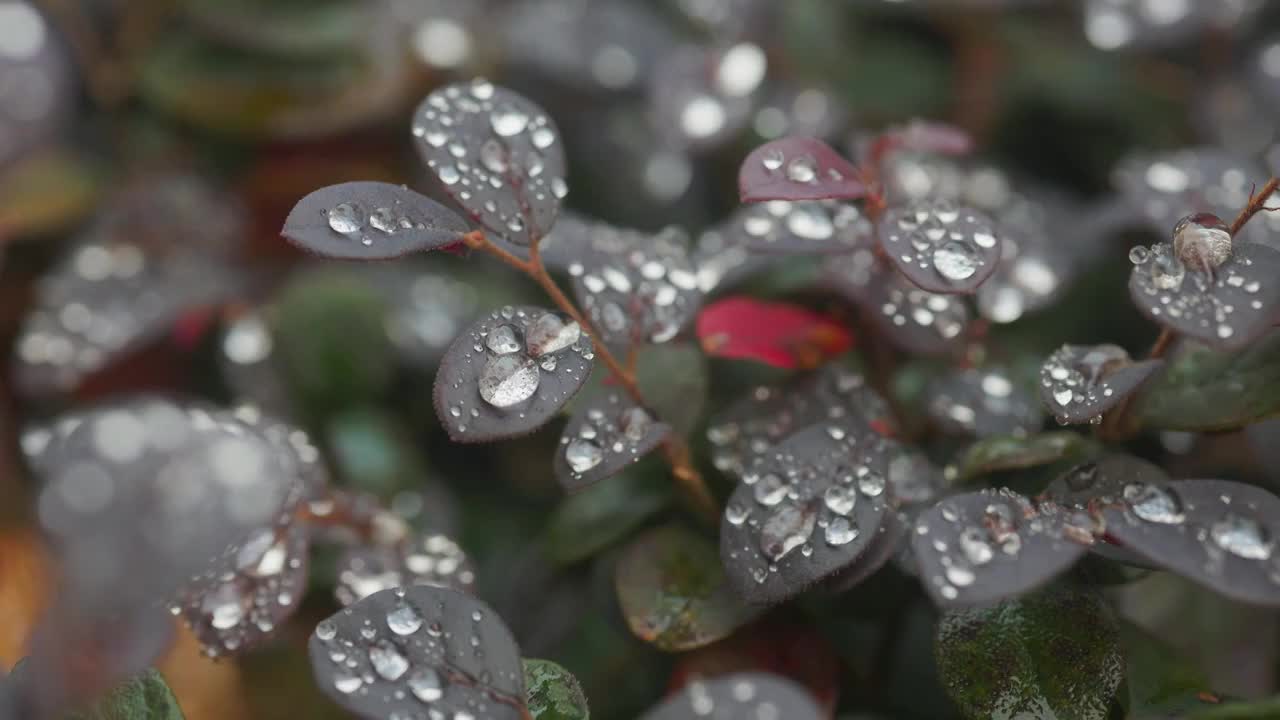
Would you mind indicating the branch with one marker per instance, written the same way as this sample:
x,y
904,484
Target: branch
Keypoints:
x,y
1257,203
674,449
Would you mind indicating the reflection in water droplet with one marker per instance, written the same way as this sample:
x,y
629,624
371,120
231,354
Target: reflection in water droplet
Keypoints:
x,y
1154,503
346,218
840,531
508,380
583,455
404,620
426,685
387,661
1241,536
787,528
955,261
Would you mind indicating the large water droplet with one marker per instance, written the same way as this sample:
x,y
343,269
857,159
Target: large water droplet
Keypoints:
x,y
802,169
770,490
508,121
840,499
508,380
387,661
426,685
787,528
955,261
583,455
1154,503
840,531
346,218
404,620
550,333
973,543
502,340
1241,536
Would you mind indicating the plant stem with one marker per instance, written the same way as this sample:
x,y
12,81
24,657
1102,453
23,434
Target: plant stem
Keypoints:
x,y
1257,203
674,449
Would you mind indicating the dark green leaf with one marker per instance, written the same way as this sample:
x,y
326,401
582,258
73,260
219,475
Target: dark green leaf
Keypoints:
x,y
1258,710
1162,683
673,592
674,380
604,513
1010,452
553,693
145,697
1204,390
371,453
1053,655
292,27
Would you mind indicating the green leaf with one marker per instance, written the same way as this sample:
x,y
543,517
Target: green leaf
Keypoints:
x,y
1268,709
1161,682
673,592
599,516
1203,390
371,453
1053,655
48,191
673,378
287,27
553,693
144,697
1006,452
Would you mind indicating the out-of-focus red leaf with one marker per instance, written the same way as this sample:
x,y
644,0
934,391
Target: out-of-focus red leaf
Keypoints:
x,y
794,651
798,168
777,334
922,136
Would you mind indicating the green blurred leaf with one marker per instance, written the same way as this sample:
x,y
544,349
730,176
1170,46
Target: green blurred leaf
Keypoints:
x,y
1161,682
553,693
597,517
673,593
1268,709
371,453
1054,655
144,697
673,378
333,346
1006,452
286,27
1203,390
48,191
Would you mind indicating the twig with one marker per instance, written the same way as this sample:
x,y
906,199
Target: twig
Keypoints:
x,y
1257,203
674,449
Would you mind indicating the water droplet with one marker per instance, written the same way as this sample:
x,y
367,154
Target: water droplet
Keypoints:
x,y
1241,536
840,499
840,531
347,684
955,261
502,340
635,424
425,684
973,544
583,455
773,160
1154,503
508,380
387,661
787,528
1202,241
1139,254
871,483
802,169
346,218
326,630
770,490
508,121
404,620
550,333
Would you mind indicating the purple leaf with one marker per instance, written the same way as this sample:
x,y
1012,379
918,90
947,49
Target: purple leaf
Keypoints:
x,y
798,168
371,221
1078,383
603,438
939,246
801,228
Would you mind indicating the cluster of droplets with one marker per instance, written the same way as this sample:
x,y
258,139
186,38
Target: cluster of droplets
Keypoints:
x,y
646,289
936,236
790,497
366,224
1075,376
1210,301
497,154
428,559
607,436
825,225
976,545
1234,532
984,402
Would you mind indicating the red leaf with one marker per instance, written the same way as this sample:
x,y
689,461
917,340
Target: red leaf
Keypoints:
x,y
777,334
922,136
798,168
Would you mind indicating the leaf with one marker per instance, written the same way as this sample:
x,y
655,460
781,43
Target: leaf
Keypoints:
x,y
553,693
1011,452
823,490
798,168
510,373
415,649
738,696
1162,684
401,560
604,437
888,542
1217,533
1205,390
1193,302
777,334
799,228
371,221
912,319
750,427
983,402
497,155
1050,656
1252,710
48,192
940,247
673,593
311,29
674,379
143,697
1078,383
589,521
982,547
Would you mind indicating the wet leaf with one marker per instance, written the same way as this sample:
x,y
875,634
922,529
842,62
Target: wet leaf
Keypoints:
x,y
750,427
738,696
641,289
912,319
800,228
673,592
983,402
1050,655
1162,684
804,511
1011,452
1226,306
982,547
1217,533
797,168
497,155
371,221
144,697
928,137
939,246
553,693
510,373
1204,390
589,521
1253,710
889,540
777,334
283,28
402,560
604,437
1078,383
419,649
674,379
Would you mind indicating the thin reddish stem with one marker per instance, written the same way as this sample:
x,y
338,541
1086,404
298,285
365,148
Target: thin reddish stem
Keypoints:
x,y
1257,203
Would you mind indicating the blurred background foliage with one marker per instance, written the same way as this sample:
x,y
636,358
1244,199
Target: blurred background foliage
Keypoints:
x,y
267,100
